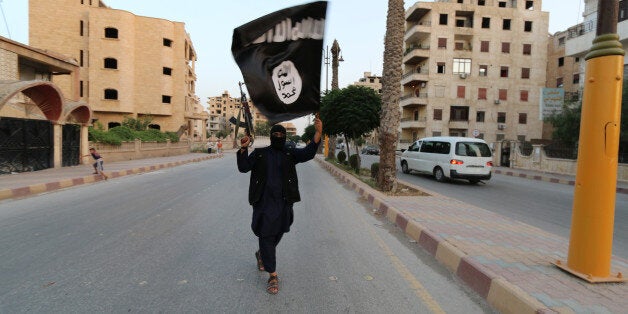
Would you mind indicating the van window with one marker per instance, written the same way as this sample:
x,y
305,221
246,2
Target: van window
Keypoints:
x,y
414,147
435,147
473,149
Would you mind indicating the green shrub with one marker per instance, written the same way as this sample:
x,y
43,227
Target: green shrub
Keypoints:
x,y
354,162
342,156
173,136
123,133
374,170
151,135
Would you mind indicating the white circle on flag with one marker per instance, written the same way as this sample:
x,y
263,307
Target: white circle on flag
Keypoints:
x,y
287,82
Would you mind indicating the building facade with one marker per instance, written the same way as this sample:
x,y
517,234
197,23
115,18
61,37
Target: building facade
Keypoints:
x,y
129,65
473,68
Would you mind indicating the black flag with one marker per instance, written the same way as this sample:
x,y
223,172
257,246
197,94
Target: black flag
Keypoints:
x,y
279,55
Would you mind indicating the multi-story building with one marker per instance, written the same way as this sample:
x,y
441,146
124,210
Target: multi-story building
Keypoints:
x,y
129,65
371,81
579,38
222,108
473,68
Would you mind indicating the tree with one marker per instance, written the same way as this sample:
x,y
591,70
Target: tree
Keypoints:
x,y
566,124
295,138
391,80
308,133
352,111
262,128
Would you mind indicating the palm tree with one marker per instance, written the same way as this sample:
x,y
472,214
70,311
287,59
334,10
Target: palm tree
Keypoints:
x,y
391,92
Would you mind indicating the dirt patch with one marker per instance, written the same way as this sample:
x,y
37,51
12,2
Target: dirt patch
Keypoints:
x,y
405,190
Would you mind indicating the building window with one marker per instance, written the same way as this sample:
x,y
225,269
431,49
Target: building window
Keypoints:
x,y
530,5
459,23
81,58
523,118
561,61
502,4
576,78
482,93
167,42
479,116
442,43
459,113
501,117
505,47
483,70
111,63
440,67
486,22
503,94
438,114
484,46
81,28
481,2
111,32
437,133
167,71
462,66
166,99
461,92
577,60
112,125
527,26
503,71
525,73
443,19
506,25
81,89
523,95
559,82
527,49
111,93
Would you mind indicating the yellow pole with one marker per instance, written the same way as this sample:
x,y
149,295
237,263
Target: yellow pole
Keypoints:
x,y
591,240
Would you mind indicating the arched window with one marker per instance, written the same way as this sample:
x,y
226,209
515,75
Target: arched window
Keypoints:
x,y
111,93
111,63
111,125
111,32
154,126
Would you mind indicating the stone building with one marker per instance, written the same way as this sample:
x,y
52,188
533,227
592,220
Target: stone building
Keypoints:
x,y
40,126
222,108
473,68
130,65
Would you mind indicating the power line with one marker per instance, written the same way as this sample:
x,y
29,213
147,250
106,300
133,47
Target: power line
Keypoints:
x,y
5,20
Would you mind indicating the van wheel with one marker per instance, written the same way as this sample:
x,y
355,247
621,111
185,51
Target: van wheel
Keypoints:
x,y
404,167
438,174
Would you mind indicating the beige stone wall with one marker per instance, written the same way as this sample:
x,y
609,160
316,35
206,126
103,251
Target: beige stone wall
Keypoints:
x,y
140,54
8,65
442,89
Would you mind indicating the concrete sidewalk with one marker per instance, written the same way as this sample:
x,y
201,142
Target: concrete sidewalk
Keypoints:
x,y
506,262
25,184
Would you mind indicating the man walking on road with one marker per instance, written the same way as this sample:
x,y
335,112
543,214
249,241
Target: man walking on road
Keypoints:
x,y
273,188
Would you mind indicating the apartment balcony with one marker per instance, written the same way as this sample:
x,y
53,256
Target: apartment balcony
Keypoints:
x,y
413,100
415,77
458,124
416,54
417,12
418,31
411,123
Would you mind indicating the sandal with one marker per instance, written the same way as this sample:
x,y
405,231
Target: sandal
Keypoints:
x,y
273,285
260,264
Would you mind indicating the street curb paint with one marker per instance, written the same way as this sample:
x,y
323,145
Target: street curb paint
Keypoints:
x,y
38,188
499,293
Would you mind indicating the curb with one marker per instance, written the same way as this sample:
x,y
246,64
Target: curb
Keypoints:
x,y
537,177
497,291
39,188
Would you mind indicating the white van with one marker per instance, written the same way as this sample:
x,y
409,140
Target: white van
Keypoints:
x,y
449,158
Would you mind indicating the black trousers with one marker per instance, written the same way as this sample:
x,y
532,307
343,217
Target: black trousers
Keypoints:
x,y
267,249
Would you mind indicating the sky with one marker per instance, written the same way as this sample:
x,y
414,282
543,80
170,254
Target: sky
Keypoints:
x,y
358,25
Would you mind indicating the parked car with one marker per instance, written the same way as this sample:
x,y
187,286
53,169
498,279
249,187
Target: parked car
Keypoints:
x,y
370,150
449,158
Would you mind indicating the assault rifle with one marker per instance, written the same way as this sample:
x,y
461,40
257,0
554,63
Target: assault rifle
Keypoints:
x,y
248,118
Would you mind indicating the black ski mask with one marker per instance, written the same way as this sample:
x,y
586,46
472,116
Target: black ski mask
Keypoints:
x,y
277,142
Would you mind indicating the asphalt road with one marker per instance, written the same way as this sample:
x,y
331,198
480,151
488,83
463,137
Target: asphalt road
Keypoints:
x,y
178,240
545,205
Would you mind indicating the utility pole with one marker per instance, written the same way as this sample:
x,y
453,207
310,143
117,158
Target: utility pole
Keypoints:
x,y
591,239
